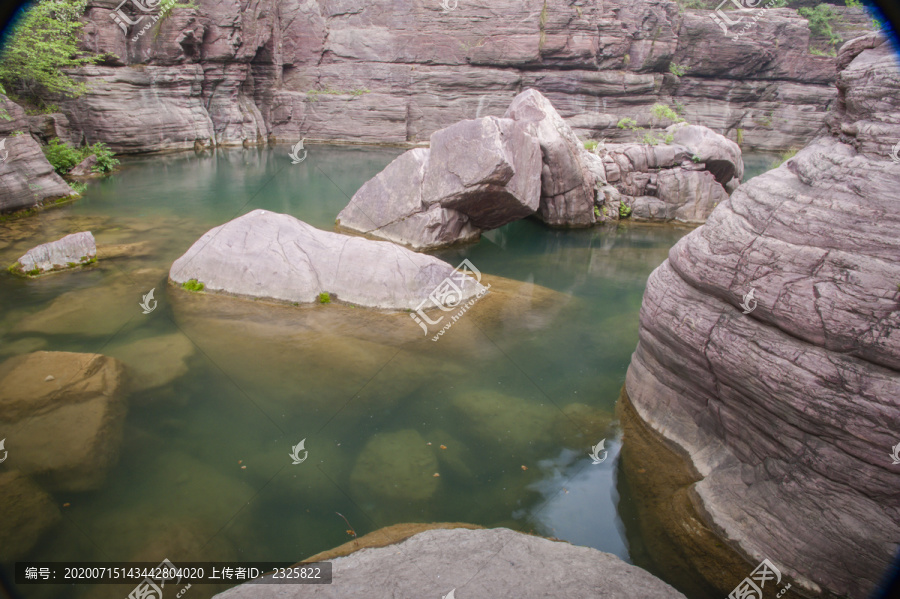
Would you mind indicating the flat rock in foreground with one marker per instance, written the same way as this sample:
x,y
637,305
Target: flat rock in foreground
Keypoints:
x,y
70,251
476,563
267,255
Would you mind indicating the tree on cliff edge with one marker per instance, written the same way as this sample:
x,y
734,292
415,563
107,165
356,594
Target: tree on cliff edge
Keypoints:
x,y
40,46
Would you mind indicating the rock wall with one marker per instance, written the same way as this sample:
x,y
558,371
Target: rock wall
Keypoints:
x,y
26,178
787,403
388,72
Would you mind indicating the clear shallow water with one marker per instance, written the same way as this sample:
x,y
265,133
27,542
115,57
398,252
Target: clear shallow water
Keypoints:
x,y
228,384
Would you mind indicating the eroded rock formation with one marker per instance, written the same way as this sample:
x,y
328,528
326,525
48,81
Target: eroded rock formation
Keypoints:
x,y
267,255
787,403
227,72
71,251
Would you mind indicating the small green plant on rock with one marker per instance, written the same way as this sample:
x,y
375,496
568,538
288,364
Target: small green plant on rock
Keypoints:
x,y
597,212
784,157
324,298
193,285
677,69
695,158
624,209
591,145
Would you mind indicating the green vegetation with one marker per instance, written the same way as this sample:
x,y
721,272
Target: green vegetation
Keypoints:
x,y
784,157
627,123
33,272
78,187
662,111
542,24
314,94
624,209
740,136
324,298
597,212
677,69
820,18
830,52
193,285
64,158
695,158
658,111
42,44
591,145
16,133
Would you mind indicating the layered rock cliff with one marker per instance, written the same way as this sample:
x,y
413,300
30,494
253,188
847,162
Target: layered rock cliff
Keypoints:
x,y
382,72
787,403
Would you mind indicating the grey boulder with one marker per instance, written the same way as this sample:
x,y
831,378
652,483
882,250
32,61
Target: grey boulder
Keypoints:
x,y
70,251
276,256
505,564
567,180
477,174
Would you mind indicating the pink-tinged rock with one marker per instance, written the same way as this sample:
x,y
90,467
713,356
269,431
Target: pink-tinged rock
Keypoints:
x,y
26,178
84,168
488,169
567,184
721,156
787,406
389,206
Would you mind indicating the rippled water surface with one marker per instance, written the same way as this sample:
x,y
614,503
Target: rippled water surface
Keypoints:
x,y
490,425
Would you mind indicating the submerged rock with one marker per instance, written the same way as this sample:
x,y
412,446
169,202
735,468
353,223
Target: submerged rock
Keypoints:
x,y
397,466
156,361
267,255
508,564
66,430
787,400
28,512
513,422
71,251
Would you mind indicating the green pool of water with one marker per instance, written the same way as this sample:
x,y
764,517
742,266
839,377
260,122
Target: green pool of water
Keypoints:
x,y
204,466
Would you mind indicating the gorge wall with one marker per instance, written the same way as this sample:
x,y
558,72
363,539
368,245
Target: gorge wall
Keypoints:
x,y
230,72
788,412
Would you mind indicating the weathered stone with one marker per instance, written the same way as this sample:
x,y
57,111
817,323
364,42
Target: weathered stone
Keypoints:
x,y
489,417
84,169
721,156
567,183
268,255
154,362
28,512
786,403
488,169
26,178
71,251
67,430
398,466
509,564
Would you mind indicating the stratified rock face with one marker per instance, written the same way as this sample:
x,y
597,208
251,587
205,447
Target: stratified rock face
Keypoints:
x,y
268,255
567,183
26,178
65,412
508,564
788,405
237,72
477,174
70,251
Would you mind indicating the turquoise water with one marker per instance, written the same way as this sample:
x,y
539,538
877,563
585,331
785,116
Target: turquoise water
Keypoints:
x,y
226,388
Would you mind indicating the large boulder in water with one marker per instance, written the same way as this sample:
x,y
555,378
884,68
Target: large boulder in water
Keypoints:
x,y
71,251
787,400
509,564
477,174
275,256
567,180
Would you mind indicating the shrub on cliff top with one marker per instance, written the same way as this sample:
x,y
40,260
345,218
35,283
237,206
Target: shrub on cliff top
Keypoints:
x,y
43,42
